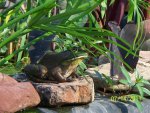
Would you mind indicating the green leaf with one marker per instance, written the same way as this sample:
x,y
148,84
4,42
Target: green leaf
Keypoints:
x,y
18,4
130,12
103,8
124,82
139,84
126,74
83,66
145,82
139,105
146,91
3,49
108,80
23,40
111,2
48,3
14,36
4,60
140,89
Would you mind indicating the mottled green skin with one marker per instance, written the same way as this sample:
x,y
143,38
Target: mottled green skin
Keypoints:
x,y
54,67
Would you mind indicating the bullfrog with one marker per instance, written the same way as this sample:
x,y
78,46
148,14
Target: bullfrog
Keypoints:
x,y
55,67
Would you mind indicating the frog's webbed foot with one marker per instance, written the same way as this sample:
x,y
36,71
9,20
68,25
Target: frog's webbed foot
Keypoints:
x,y
74,77
60,78
70,79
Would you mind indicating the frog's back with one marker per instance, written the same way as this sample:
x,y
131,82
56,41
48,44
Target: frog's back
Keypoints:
x,y
53,59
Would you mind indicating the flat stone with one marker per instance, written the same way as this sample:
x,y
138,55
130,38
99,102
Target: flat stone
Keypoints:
x,y
80,91
146,45
143,68
15,96
101,104
145,56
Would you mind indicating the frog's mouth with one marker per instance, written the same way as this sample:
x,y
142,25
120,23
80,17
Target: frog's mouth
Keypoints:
x,y
76,57
70,65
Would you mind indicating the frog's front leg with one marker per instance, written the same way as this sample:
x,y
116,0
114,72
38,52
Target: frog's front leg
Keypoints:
x,y
57,74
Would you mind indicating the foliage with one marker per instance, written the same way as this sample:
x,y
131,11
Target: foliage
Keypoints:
x,y
135,13
9,69
138,84
17,24
68,25
20,19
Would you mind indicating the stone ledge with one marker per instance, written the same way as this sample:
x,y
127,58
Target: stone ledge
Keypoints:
x,y
80,91
101,104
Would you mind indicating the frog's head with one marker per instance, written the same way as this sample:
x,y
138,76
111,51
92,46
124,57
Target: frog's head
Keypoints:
x,y
71,56
72,61
65,57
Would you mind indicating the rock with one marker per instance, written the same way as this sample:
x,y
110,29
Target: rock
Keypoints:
x,y
145,56
143,68
21,77
146,45
103,60
5,79
100,105
77,92
16,96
